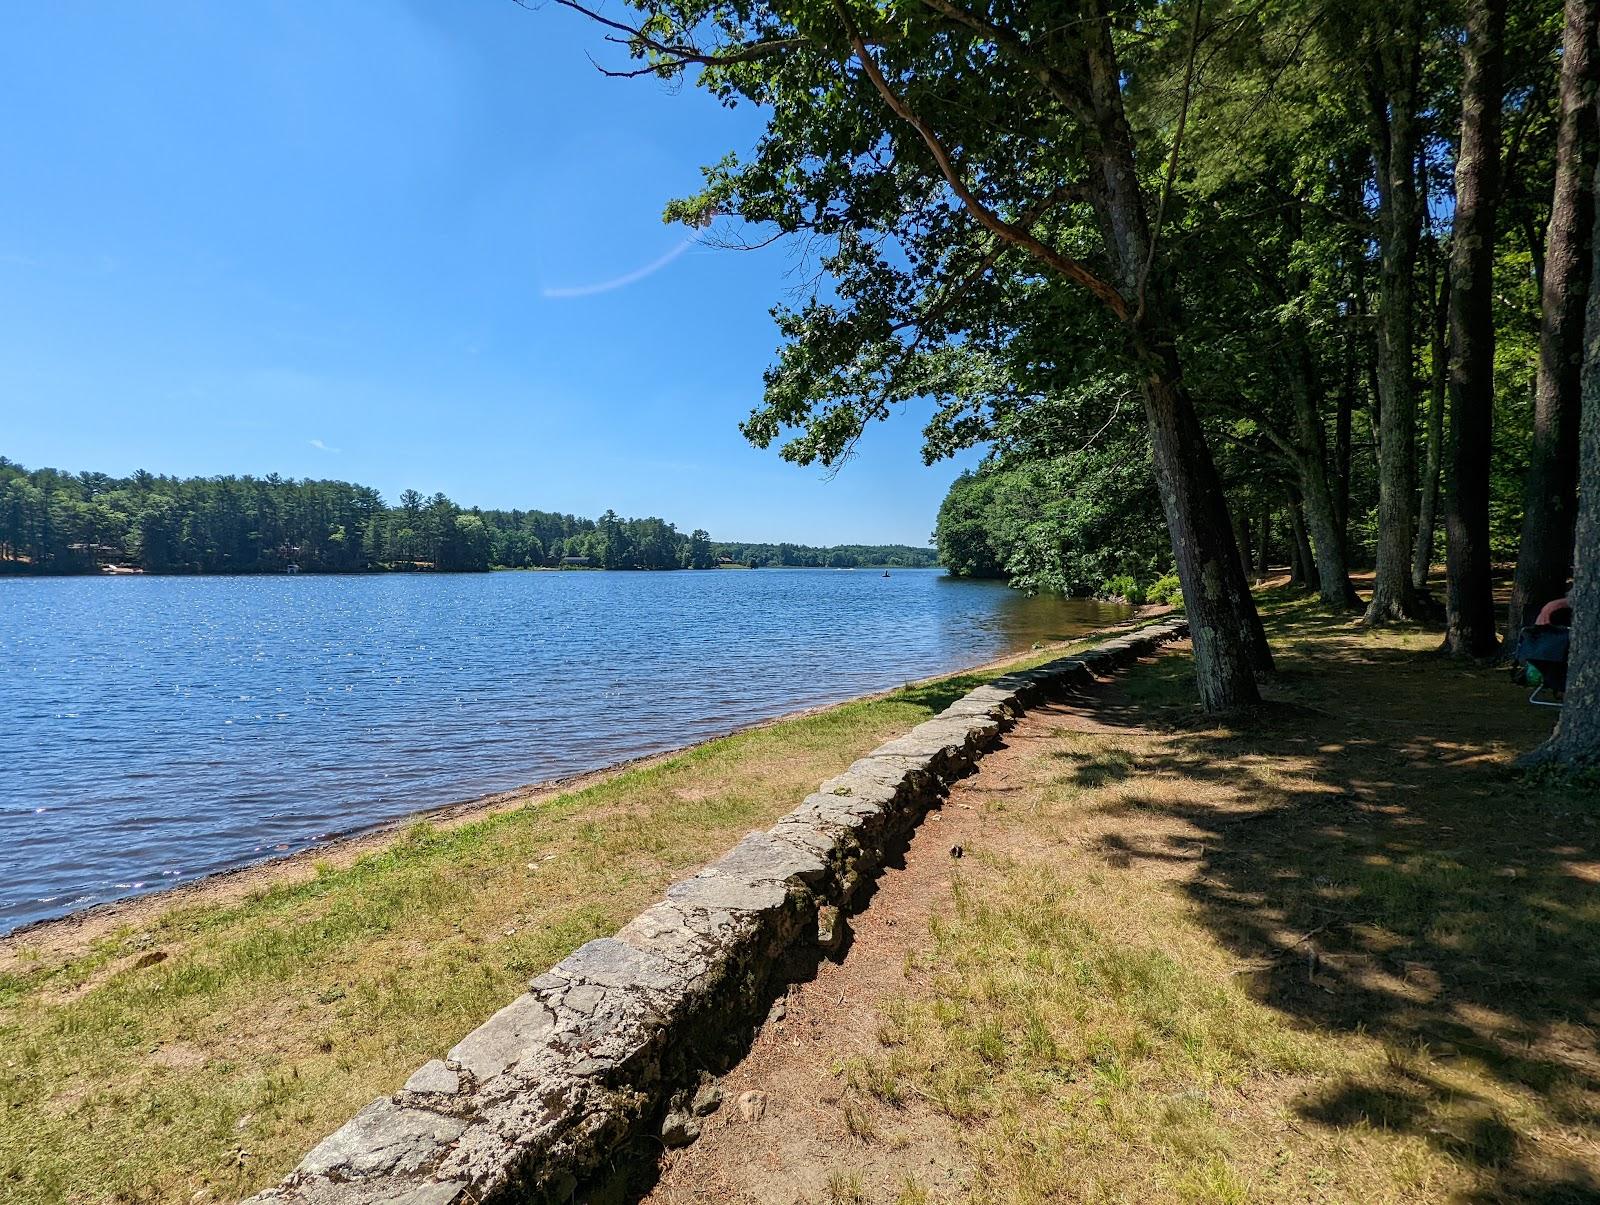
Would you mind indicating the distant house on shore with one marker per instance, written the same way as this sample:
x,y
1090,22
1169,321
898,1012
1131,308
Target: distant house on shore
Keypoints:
x,y
579,561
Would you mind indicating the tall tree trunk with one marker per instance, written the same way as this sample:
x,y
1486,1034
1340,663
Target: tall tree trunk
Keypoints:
x,y
1322,511
1229,641
1264,542
1551,488
1214,586
1343,421
1576,740
1241,538
1392,105
1299,567
1306,573
1428,515
1469,594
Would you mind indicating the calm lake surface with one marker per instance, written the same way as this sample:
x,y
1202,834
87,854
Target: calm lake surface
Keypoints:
x,y
158,729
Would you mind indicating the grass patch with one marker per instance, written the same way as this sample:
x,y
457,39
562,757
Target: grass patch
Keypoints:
x,y
266,1022
1336,951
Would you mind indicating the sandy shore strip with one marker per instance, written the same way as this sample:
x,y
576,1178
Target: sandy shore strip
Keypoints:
x,y
76,930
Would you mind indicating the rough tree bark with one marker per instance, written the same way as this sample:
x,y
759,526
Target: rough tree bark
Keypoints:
x,y
1551,488
1306,573
1576,740
1393,83
1439,380
1343,421
1469,591
1323,509
1202,546
1229,641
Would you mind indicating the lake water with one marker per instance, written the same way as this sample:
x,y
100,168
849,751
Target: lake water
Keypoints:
x,y
157,729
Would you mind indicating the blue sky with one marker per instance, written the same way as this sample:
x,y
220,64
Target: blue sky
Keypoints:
x,y
402,242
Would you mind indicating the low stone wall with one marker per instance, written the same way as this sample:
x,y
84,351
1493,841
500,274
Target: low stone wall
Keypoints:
x,y
540,1097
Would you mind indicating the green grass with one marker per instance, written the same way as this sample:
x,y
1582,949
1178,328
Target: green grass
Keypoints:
x,y
271,1019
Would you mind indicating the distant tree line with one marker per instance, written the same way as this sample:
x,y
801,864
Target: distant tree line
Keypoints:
x,y
57,522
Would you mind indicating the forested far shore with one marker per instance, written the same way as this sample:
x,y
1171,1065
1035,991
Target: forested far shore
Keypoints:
x,y
55,522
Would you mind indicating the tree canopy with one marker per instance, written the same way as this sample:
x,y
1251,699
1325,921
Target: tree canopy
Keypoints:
x,y
1309,240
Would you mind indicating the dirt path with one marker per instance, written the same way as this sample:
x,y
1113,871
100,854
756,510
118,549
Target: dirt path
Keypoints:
x,y
805,1136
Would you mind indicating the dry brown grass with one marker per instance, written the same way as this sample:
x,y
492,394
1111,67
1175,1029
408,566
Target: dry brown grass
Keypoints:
x,y
1337,953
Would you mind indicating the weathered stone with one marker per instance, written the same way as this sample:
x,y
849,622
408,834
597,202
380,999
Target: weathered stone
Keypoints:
x,y
609,963
761,857
804,833
976,707
449,1193
434,1077
871,785
830,928
679,1128
752,1105
707,1099
849,812
504,1038
383,1138
718,892
663,929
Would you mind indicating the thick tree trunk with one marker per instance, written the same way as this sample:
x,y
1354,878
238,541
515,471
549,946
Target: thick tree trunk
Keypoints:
x,y
1576,741
1428,512
1395,135
1229,641
1241,538
1327,541
1551,487
1469,602
1215,591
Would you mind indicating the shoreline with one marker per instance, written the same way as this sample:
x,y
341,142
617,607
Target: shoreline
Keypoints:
x,y
118,570
341,849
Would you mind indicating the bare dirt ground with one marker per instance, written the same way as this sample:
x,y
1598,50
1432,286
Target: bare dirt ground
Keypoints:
x,y
806,1136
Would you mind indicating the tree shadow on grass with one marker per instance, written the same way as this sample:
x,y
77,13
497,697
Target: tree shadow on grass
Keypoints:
x,y
1378,868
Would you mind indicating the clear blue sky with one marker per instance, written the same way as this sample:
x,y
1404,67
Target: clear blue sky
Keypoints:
x,y
402,242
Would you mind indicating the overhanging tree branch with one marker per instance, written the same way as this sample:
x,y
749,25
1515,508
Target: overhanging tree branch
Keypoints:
x,y
679,54
1010,232
1172,160
1058,85
953,291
